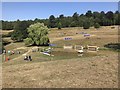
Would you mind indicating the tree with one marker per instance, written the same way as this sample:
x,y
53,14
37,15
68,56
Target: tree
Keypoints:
x,y
110,15
61,16
37,35
96,25
28,41
102,14
66,21
86,24
91,21
118,19
75,16
61,20
73,24
59,25
116,12
17,34
81,20
20,31
52,21
96,15
7,25
102,18
89,14
75,19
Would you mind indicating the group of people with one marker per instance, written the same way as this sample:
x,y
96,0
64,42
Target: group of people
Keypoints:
x,y
28,58
11,52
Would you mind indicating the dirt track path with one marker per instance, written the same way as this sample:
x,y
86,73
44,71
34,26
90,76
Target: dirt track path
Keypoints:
x,y
24,53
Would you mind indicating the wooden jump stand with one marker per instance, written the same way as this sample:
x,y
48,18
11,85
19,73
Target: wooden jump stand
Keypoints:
x,y
68,47
92,48
78,47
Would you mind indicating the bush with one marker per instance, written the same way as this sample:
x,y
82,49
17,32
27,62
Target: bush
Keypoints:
x,y
115,46
86,25
96,25
59,25
28,41
73,24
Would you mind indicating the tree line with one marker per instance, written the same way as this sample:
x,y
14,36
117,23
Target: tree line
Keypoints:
x,y
88,19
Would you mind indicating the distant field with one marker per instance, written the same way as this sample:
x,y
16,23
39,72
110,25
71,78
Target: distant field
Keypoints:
x,y
65,69
5,31
98,37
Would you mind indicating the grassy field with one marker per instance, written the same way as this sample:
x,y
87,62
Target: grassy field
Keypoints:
x,y
65,69
4,32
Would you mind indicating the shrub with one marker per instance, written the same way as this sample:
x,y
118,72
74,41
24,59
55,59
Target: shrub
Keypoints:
x,y
59,25
115,46
86,25
28,41
96,25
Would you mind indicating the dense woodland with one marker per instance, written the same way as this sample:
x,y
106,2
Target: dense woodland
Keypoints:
x,y
76,20
86,20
